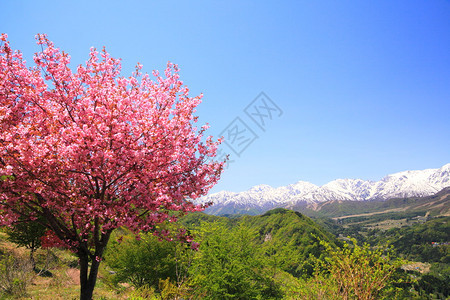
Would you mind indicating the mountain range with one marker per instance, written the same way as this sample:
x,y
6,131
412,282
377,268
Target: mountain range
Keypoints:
x,y
262,198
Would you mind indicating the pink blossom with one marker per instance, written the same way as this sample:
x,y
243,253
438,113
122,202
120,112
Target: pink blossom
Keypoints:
x,y
91,150
194,246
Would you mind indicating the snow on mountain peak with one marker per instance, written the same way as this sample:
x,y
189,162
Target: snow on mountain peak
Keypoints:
x,y
401,184
260,188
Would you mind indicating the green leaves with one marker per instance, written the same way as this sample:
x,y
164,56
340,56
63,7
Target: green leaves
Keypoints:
x,y
15,275
142,262
230,265
353,272
279,255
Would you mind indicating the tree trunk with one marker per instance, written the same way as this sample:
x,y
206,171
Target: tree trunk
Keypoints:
x,y
33,262
88,278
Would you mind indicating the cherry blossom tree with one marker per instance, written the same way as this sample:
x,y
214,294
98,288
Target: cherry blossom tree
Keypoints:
x,y
90,151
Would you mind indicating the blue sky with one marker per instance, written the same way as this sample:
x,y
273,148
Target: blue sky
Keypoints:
x,y
363,87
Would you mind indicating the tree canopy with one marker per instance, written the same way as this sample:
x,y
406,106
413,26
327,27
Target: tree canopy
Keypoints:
x,y
91,150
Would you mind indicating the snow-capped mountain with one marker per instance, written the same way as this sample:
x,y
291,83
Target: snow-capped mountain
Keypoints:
x,y
264,197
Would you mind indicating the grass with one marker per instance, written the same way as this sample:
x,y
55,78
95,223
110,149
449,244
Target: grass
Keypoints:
x,y
61,281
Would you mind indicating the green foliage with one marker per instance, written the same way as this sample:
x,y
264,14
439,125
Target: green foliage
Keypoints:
x,y
430,284
281,254
15,275
172,291
416,242
229,265
352,272
144,292
436,282
276,211
196,218
141,262
289,239
27,234
242,257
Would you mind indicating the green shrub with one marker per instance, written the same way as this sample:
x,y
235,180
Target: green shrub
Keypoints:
x,y
230,265
27,234
142,262
353,272
144,292
15,275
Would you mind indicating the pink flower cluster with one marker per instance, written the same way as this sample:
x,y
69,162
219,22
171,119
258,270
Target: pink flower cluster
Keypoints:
x,y
92,150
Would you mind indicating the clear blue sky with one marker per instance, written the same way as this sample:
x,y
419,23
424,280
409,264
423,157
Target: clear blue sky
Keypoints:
x,y
364,86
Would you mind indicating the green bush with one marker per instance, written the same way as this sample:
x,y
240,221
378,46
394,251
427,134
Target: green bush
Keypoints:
x,y
142,262
230,265
353,272
15,275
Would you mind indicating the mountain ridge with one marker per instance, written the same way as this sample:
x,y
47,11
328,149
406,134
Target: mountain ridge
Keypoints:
x,y
260,198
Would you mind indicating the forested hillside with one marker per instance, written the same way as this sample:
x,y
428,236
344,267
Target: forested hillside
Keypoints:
x,y
281,254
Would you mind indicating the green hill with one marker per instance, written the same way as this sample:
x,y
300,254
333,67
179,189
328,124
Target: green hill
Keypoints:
x,y
287,237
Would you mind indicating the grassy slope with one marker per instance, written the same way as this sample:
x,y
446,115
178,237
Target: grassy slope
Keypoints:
x,y
63,280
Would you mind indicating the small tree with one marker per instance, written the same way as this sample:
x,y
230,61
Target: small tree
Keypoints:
x,y
90,151
152,263
142,261
28,234
230,265
353,272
